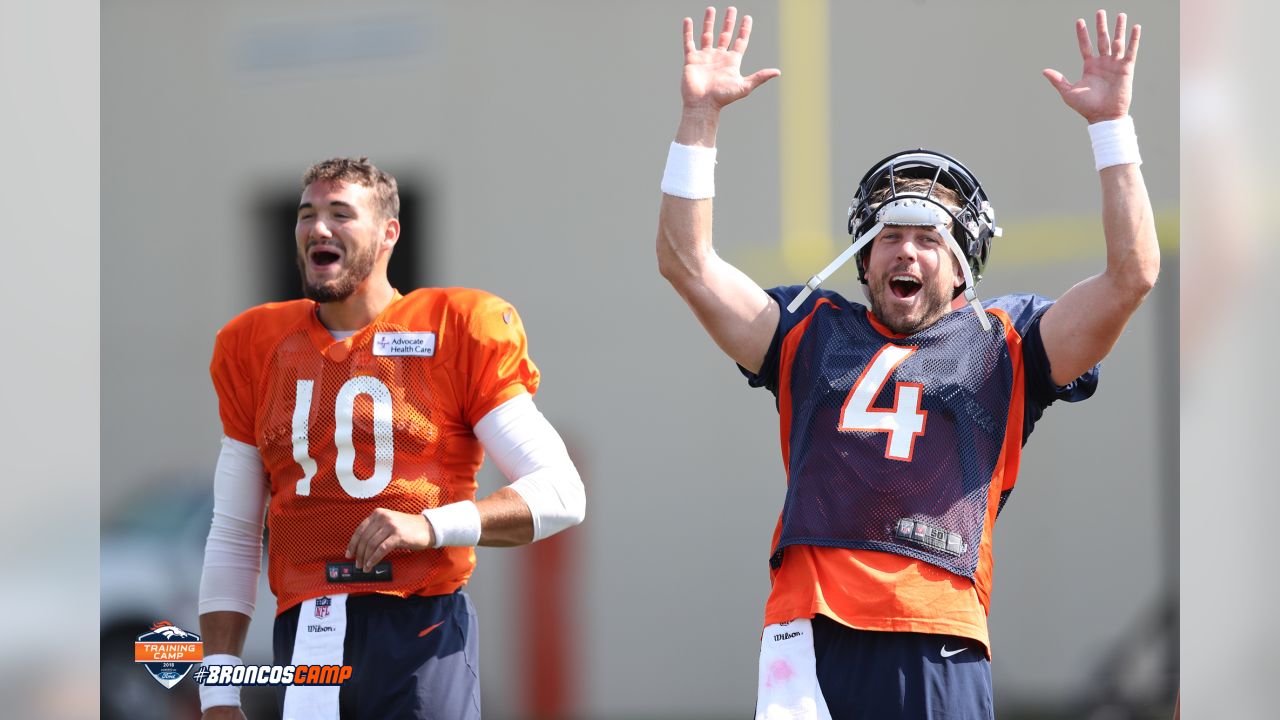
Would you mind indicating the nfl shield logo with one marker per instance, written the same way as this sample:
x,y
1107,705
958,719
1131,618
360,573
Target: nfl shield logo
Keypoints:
x,y
333,573
322,606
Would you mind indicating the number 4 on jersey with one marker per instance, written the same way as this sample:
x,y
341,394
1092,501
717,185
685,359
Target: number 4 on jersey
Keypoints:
x,y
904,421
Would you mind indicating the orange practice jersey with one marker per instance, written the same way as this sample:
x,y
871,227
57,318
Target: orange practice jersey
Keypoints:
x,y
382,419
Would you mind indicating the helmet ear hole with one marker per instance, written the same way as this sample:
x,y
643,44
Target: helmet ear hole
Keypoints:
x,y
861,261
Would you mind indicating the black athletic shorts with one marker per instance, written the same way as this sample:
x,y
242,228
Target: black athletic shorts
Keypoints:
x,y
413,658
913,676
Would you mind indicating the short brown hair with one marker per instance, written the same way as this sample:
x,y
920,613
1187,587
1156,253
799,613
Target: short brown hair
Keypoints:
x,y
359,172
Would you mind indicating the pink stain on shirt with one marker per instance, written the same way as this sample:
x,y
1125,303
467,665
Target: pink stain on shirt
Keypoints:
x,y
779,672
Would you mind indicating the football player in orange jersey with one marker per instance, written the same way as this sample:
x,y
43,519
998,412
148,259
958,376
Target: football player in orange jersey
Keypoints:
x,y
901,422
362,416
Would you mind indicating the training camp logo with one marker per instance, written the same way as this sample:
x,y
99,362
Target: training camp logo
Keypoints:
x,y
168,652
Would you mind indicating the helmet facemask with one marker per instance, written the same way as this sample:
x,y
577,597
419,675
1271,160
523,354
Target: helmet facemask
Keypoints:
x,y
880,201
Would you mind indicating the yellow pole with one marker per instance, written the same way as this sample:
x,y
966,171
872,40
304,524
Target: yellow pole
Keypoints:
x,y
805,120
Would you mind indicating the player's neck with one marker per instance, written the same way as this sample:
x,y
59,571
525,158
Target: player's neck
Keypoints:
x,y
358,310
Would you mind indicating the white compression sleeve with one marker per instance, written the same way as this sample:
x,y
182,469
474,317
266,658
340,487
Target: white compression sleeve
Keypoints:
x,y
530,453
233,553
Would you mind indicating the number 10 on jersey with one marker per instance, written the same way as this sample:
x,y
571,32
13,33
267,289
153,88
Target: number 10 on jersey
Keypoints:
x,y
904,421
343,410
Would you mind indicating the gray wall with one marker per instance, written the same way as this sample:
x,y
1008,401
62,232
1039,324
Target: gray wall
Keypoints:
x,y
541,129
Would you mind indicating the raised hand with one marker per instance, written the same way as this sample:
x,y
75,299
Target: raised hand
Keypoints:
x,y
1105,87
713,74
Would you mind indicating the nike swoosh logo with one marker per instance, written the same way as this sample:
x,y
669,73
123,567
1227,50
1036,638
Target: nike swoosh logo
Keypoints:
x,y
380,571
948,653
433,627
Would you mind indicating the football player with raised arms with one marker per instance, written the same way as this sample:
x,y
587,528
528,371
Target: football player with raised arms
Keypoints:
x,y
901,422
357,418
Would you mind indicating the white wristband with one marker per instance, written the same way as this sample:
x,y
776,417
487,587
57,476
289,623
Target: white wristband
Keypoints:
x,y
220,695
691,172
1114,143
455,525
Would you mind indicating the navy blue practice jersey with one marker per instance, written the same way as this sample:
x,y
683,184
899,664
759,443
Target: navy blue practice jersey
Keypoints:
x,y
906,444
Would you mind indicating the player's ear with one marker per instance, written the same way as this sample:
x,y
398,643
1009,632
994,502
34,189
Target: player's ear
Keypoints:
x,y
390,233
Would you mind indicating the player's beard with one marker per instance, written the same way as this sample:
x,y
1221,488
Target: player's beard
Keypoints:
x,y
932,302
356,267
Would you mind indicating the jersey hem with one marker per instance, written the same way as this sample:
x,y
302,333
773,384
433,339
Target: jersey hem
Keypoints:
x,y
431,590
930,627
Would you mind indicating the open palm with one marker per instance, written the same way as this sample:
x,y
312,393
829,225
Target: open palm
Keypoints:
x,y
713,74
1105,87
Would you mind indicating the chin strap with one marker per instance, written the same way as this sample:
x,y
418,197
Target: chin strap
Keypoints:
x,y
969,293
841,259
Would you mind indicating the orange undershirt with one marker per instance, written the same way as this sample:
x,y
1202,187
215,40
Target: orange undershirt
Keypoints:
x,y
871,590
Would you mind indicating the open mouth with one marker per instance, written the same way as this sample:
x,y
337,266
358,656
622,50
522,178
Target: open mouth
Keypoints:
x,y
324,257
904,286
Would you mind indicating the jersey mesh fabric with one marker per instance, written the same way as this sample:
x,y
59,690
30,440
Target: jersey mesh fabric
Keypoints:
x,y
877,590
845,490
404,441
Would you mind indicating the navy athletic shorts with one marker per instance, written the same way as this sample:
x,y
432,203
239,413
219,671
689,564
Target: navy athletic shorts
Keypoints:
x,y
414,657
914,676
